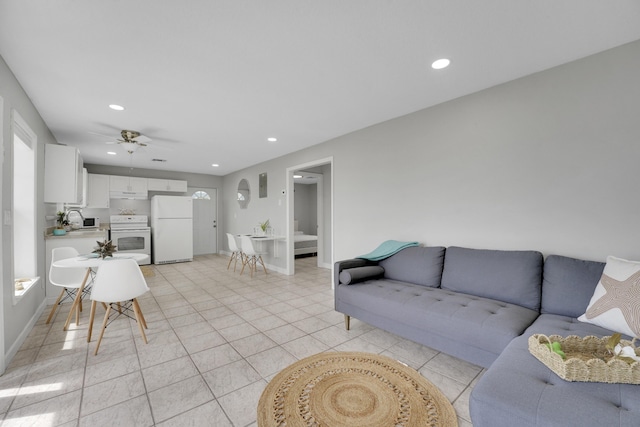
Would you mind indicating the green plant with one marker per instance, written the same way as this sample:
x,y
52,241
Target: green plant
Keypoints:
x,y
264,225
105,249
61,220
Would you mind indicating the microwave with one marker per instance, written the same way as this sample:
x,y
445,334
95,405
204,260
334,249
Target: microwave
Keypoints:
x,y
90,222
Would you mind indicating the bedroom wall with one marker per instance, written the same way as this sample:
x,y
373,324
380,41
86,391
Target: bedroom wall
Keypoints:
x,y
306,208
546,162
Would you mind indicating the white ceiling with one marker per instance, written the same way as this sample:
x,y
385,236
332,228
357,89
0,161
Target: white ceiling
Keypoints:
x,y
210,80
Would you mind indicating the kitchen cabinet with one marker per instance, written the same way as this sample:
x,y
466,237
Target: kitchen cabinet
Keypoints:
x,y
125,187
63,176
98,191
172,185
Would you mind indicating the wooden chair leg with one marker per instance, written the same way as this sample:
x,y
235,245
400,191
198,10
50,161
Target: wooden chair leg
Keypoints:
x,y
75,300
233,256
140,319
55,306
92,315
347,321
244,263
144,322
104,326
78,310
263,266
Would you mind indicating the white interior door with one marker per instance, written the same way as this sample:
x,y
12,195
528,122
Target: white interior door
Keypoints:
x,y
205,220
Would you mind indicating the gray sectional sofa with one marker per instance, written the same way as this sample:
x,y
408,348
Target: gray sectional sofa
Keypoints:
x,y
481,306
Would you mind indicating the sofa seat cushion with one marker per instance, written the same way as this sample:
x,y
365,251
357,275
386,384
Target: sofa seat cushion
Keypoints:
x,y
520,390
478,322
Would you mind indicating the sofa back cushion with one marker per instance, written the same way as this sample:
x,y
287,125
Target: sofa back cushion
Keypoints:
x,y
568,285
417,265
509,276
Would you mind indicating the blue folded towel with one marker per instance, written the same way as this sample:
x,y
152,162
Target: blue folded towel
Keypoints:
x,y
386,249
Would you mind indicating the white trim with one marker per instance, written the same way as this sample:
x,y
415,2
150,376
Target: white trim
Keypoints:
x,y
290,265
3,357
25,332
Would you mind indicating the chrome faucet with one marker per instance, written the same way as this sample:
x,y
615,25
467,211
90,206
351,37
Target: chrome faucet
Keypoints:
x,y
79,213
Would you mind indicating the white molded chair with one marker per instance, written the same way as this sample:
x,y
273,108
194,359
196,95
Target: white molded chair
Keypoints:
x,y
251,256
69,279
236,252
118,281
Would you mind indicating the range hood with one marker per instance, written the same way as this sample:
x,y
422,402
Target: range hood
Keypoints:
x,y
133,195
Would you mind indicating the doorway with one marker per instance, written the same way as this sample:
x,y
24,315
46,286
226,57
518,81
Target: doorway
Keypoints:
x,y
205,220
323,170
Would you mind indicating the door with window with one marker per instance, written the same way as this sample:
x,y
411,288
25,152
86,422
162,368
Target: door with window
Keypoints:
x,y
205,220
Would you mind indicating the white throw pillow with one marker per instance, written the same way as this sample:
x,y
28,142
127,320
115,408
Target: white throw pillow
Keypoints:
x,y
615,303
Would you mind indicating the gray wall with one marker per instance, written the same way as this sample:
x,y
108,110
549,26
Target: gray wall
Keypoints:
x,y
17,317
546,162
306,207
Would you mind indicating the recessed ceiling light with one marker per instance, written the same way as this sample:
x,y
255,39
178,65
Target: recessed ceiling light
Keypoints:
x,y
116,107
215,165
113,153
440,64
272,139
297,176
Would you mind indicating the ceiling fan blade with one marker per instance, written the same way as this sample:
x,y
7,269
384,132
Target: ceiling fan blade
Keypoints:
x,y
142,139
101,134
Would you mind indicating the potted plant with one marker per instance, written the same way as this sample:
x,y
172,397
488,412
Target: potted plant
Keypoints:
x,y
61,222
105,249
264,226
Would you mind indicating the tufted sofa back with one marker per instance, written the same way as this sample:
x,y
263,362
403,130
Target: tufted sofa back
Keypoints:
x,y
417,265
568,285
509,276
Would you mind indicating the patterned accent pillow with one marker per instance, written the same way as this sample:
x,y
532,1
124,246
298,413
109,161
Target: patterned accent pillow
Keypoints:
x,y
615,303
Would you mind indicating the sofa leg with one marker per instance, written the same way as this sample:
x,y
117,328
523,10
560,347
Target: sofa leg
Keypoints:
x,y
347,321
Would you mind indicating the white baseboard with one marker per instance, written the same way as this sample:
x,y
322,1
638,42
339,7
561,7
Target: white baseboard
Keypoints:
x,y
24,334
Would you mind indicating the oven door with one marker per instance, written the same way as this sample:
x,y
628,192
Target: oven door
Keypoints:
x,y
138,241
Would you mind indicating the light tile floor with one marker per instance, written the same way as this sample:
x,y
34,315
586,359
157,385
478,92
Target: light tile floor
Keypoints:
x,y
215,340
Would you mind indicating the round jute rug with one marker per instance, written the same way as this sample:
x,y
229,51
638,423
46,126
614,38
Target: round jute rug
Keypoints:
x,y
352,389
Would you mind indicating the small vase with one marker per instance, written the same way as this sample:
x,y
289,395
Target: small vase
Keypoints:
x,y
59,232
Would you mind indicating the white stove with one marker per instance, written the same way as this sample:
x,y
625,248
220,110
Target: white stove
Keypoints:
x,y
129,222
130,233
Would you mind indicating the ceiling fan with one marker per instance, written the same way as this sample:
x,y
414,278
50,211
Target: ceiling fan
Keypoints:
x,y
131,140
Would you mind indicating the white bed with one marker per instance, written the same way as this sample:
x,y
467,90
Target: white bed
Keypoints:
x,y
303,244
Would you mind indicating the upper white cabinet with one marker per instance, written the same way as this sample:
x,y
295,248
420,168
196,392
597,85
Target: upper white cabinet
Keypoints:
x,y
98,191
125,187
62,174
172,185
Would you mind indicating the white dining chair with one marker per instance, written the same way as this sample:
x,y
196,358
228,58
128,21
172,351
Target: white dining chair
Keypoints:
x,y
69,279
236,252
118,282
251,255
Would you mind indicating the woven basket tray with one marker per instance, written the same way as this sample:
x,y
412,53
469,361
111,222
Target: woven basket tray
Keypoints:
x,y
587,359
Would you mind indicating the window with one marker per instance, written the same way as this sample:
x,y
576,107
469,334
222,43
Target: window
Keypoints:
x,y
23,214
201,195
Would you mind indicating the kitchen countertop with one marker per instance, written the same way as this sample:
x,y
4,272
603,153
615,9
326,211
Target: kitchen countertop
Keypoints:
x,y
92,233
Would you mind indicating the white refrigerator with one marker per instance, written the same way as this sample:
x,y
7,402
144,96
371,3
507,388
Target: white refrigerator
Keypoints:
x,y
171,229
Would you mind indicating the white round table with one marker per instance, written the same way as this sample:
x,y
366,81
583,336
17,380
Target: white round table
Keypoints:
x,y
91,261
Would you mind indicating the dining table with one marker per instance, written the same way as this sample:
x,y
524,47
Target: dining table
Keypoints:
x,y
260,239
91,262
